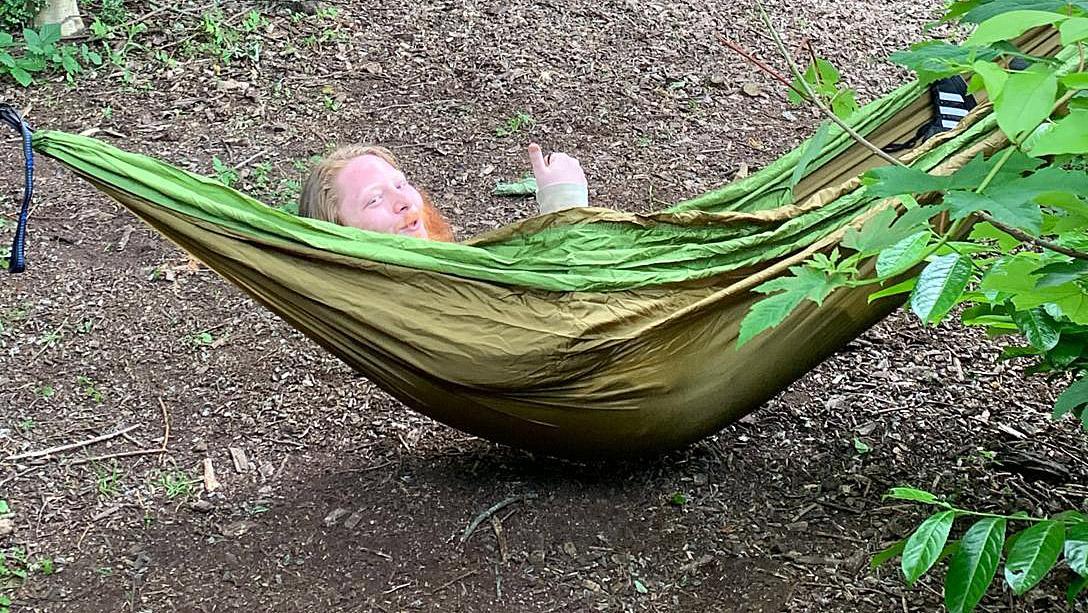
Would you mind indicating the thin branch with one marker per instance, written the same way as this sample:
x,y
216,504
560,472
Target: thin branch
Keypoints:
x,y
1028,238
70,446
816,99
759,64
165,431
498,506
111,456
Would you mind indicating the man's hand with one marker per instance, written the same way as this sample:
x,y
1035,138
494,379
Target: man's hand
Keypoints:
x,y
560,181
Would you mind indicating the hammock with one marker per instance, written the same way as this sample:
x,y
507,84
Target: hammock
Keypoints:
x,y
587,332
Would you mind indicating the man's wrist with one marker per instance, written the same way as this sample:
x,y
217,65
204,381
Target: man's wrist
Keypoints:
x,y
559,196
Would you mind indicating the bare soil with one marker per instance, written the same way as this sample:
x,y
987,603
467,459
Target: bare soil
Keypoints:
x,y
347,501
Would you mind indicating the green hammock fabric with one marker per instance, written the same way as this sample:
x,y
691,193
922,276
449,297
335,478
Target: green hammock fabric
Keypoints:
x,y
587,332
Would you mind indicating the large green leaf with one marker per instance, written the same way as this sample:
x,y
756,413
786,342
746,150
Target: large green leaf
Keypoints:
x,y
1060,273
883,230
993,75
1076,80
974,565
914,495
985,10
22,77
1025,101
1038,328
1008,26
902,287
986,231
1068,135
1072,399
1022,214
805,284
50,33
925,545
940,284
1069,297
1074,30
1076,586
887,554
1033,555
1076,548
813,149
902,255
888,181
933,60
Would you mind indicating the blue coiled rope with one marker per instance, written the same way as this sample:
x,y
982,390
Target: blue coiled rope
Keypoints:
x,y
11,117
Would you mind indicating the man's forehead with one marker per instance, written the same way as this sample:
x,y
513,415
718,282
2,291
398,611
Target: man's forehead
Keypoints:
x,y
367,168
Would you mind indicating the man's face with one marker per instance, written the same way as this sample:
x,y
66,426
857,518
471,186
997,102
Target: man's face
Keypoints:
x,y
375,196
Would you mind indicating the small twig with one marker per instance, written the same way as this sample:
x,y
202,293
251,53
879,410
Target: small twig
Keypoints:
x,y
491,511
464,575
70,446
17,475
106,512
249,159
1027,238
380,554
111,456
774,74
142,18
165,431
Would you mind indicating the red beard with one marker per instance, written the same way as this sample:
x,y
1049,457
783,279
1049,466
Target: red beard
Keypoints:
x,y
438,229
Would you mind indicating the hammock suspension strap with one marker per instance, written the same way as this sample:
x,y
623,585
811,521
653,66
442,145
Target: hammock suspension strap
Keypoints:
x,y
951,103
12,118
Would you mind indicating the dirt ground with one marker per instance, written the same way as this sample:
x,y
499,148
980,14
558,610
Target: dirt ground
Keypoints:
x,y
345,500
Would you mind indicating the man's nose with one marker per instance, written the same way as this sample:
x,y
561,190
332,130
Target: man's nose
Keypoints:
x,y
401,202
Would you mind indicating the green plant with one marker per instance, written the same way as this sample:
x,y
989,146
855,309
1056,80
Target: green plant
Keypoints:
x,y
1022,269
13,567
517,122
201,339
38,52
51,338
111,12
176,484
90,389
27,424
974,558
15,14
861,447
225,42
226,174
107,480
823,80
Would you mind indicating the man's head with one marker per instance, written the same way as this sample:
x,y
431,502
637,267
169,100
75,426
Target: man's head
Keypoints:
x,y
361,186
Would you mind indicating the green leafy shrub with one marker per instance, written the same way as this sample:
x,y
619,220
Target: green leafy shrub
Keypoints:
x,y
16,14
1014,254
973,559
39,51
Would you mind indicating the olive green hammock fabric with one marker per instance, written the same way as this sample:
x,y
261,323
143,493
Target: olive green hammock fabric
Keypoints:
x,y
587,332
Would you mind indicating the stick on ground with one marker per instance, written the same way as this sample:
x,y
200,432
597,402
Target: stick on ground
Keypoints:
x,y
498,506
70,446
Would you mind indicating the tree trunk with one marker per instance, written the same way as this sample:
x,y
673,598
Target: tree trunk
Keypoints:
x,y
64,12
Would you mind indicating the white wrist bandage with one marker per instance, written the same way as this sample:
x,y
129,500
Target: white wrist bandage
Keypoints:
x,y
561,196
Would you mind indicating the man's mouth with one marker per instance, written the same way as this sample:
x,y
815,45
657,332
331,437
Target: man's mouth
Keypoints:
x,y
410,227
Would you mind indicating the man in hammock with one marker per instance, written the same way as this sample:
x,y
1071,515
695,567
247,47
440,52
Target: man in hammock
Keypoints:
x,y
362,186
